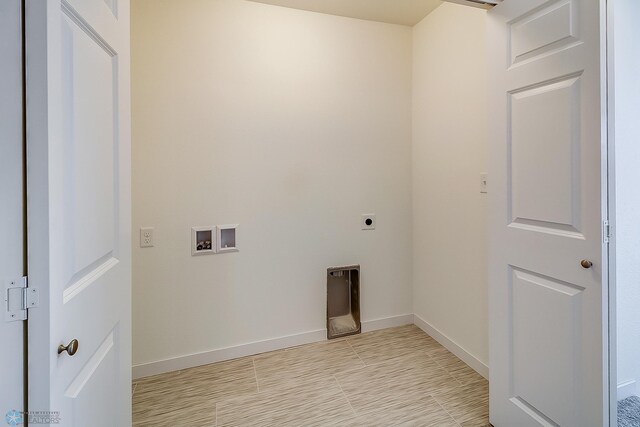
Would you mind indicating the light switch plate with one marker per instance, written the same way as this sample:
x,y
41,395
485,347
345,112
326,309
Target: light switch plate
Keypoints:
x,y
146,237
483,182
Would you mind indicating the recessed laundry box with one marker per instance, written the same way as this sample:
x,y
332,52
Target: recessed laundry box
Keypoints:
x,y
343,301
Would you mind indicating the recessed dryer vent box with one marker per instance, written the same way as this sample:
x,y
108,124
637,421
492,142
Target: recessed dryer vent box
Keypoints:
x,y
203,240
343,301
228,238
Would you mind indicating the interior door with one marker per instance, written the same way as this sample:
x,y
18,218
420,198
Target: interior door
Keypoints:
x,y
79,208
548,269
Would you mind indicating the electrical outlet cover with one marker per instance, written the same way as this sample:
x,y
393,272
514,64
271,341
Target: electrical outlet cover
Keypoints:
x,y
146,237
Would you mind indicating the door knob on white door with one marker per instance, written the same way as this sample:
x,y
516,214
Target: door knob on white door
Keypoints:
x,y
70,348
585,263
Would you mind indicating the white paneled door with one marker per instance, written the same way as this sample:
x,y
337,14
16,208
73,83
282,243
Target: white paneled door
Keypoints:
x,y
78,191
548,264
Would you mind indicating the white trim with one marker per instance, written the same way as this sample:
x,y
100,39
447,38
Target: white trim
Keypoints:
x,y
387,322
12,225
194,240
482,4
242,350
468,358
626,389
220,229
228,353
609,288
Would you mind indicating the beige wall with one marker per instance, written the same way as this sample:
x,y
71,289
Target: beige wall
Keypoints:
x,y
291,124
449,154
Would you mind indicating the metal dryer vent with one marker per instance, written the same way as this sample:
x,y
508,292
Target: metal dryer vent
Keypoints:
x,y
343,301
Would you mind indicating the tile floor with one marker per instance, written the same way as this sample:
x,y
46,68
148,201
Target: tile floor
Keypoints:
x,y
393,377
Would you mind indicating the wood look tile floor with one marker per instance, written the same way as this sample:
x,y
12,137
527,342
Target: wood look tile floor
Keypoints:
x,y
392,377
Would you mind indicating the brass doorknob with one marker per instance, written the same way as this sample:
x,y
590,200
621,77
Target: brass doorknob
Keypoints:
x,y
585,263
71,348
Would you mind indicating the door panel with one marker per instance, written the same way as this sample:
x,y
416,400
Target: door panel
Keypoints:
x,y
543,30
545,185
89,398
548,339
89,143
545,339
79,209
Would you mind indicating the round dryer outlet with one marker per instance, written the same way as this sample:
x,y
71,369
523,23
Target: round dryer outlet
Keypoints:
x,y
368,221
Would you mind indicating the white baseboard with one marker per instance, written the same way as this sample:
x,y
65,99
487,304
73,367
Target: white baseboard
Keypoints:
x,y
452,346
249,349
387,322
228,353
626,389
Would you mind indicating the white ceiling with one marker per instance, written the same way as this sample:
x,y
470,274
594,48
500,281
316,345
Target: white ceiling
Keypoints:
x,y
403,12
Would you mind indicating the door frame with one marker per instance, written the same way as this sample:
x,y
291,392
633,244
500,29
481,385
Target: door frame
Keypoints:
x,y
13,196
610,322
614,87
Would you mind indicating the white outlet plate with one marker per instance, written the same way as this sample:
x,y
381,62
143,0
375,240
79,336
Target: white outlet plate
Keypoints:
x,y
368,221
483,182
146,237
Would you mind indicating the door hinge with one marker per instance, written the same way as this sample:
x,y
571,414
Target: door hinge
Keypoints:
x,y
19,298
606,231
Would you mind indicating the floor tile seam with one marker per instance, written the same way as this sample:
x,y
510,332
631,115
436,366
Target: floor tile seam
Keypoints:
x,y
463,417
308,370
255,373
284,387
464,364
285,392
355,352
444,368
445,410
401,358
355,414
